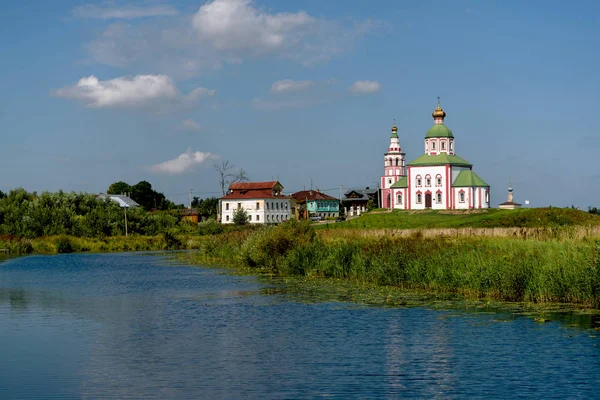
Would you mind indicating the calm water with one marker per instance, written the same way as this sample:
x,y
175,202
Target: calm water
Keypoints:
x,y
137,326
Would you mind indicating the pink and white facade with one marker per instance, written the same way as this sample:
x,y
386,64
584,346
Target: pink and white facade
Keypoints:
x,y
394,168
437,180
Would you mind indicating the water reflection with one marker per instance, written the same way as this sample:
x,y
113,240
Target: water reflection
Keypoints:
x,y
103,326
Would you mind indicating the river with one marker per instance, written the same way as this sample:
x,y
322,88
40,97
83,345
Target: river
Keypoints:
x,y
134,325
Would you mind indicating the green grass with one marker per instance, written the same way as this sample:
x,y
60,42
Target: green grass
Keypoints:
x,y
506,269
70,244
491,218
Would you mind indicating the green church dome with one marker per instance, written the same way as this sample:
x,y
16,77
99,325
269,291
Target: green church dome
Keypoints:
x,y
439,130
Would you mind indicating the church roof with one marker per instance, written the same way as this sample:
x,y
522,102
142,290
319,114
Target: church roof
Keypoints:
x,y
439,159
439,130
400,183
468,178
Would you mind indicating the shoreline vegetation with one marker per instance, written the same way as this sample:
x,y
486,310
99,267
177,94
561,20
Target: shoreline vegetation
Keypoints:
x,y
544,256
544,265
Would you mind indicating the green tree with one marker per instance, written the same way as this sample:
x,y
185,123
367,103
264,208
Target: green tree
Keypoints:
x,y
196,201
208,207
119,188
371,205
240,216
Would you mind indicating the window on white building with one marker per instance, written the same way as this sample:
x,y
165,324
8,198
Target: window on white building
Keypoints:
x,y
397,162
428,181
439,198
257,205
400,198
451,146
419,198
389,181
443,144
239,205
227,218
227,206
432,145
276,205
461,197
258,217
438,180
418,180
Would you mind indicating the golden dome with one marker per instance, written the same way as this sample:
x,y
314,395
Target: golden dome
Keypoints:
x,y
394,128
438,112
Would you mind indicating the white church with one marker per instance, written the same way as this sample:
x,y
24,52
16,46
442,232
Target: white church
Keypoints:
x,y
437,180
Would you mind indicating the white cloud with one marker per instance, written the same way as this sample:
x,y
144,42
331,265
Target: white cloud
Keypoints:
x,y
201,92
184,163
288,85
238,25
365,87
135,91
221,32
190,125
110,11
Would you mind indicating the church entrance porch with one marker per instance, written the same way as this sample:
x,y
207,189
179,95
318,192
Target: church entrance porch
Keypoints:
x,y
427,200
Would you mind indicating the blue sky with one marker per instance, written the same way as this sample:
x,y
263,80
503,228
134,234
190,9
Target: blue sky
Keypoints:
x,y
99,92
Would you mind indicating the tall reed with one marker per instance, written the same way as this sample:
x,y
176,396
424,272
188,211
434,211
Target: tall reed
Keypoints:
x,y
504,268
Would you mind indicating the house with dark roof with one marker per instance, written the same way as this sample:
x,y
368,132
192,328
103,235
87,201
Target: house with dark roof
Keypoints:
x,y
438,179
355,201
316,203
264,203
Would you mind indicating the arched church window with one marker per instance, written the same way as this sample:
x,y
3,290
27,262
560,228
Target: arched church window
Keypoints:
x,y
451,145
399,198
439,198
419,198
419,180
443,145
438,180
427,181
396,162
462,197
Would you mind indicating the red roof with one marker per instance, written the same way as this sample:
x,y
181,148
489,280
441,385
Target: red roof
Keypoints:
x,y
253,194
304,195
253,185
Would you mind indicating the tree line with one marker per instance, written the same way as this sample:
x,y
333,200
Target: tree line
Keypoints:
x,y
29,214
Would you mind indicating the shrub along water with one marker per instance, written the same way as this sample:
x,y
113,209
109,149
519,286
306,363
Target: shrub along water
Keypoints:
x,y
509,269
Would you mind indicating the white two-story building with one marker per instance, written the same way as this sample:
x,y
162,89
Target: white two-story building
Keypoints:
x,y
264,203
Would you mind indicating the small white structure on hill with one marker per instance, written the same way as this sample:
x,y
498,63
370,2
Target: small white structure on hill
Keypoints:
x,y
510,204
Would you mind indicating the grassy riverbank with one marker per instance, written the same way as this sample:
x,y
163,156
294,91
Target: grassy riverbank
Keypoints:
x,y
71,244
554,269
485,218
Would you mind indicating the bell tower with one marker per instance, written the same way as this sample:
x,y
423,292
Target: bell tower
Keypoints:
x,y
394,165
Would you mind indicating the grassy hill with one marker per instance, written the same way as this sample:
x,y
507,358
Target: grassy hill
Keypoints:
x,y
491,218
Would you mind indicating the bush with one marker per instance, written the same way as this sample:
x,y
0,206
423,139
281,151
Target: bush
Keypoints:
x,y
63,245
210,227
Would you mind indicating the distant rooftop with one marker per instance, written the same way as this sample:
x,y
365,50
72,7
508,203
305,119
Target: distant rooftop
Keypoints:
x,y
124,201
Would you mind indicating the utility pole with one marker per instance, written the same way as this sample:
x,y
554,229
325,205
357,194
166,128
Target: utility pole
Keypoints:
x,y
191,190
125,210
